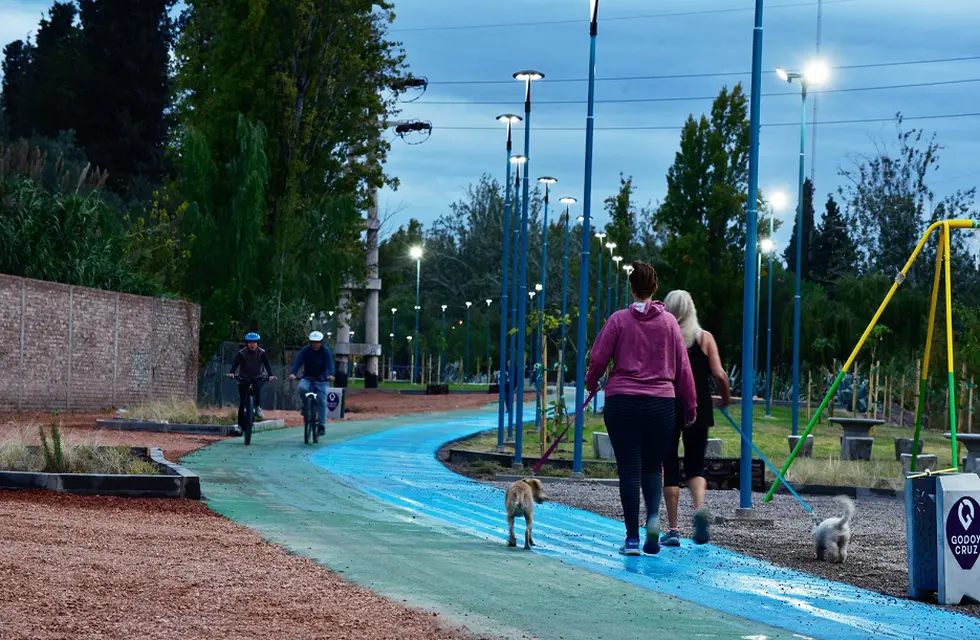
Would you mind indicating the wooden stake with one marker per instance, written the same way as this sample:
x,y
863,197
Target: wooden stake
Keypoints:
x,y
854,390
809,390
887,411
901,404
915,384
969,411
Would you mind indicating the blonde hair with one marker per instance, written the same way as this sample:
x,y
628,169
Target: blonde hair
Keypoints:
x,y
680,305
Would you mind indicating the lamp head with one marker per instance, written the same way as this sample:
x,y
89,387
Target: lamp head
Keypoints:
x,y
610,245
782,74
444,308
528,75
600,235
469,304
580,219
409,338
488,301
415,252
816,72
538,287
518,160
593,16
330,313
766,245
778,200
391,335
628,268
547,180
567,200
617,259
509,118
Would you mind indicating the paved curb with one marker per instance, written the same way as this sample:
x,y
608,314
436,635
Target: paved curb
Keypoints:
x,y
189,429
174,481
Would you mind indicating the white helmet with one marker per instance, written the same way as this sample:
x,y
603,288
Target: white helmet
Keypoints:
x,y
316,336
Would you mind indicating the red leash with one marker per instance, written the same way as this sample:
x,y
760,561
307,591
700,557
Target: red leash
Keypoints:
x,y
568,424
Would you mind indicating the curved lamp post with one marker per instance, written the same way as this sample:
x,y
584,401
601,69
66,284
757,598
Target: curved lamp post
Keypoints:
x,y
815,73
509,119
416,253
517,160
527,77
583,290
568,202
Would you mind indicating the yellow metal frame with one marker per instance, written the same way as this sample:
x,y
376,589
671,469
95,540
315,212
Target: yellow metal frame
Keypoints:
x,y
942,260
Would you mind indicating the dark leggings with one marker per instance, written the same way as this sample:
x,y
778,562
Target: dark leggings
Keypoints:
x,y
243,397
695,440
640,429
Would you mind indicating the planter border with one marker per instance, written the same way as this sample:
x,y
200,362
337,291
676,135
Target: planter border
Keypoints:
x,y
186,428
174,480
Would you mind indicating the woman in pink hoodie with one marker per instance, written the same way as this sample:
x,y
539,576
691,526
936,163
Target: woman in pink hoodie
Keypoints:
x,y
650,373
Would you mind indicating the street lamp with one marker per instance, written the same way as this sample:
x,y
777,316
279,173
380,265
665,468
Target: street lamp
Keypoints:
x,y
391,369
598,303
466,358
442,347
815,73
518,160
751,238
583,288
612,248
488,301
527,77
777,202
547,181
568,202
615,305
626,286
509,119
416,254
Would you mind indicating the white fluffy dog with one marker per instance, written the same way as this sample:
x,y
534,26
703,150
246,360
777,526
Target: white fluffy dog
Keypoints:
x,y
834,534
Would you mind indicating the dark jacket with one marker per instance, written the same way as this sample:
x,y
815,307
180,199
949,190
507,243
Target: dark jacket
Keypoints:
x,y
251,363
316,364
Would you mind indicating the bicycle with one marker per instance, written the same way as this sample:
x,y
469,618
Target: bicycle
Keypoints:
x,y
309,416
249,407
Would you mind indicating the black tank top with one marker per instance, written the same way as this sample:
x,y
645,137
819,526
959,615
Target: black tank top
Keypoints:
x,y
702,384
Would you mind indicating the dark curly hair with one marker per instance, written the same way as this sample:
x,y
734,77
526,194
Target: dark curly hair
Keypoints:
x,y
643,280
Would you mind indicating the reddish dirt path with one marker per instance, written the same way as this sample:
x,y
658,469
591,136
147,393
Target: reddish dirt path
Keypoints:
x,y
79,567
97,567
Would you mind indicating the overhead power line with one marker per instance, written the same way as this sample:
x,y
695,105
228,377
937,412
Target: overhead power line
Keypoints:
x,y
714,74
605,19
711,97
942,116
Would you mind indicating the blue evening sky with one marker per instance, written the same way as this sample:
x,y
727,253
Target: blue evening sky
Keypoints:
x,y
469,64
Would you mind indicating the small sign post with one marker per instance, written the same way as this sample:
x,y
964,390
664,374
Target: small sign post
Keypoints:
x,y
958,521
335,403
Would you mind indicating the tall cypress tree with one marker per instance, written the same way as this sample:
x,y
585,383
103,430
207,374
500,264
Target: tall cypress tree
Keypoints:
x,y
14,101
790,253
834,253
57,71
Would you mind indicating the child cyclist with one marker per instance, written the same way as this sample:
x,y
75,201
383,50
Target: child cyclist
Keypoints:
x,y
251,360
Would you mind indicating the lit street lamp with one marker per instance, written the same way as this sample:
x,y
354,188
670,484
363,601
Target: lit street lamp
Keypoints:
x,y
527,77
598,303
416,254
442,347
503,402
777,202
547,181
583,290
518,160
466,358
815,73
608,311
615,303
392,336
626,286
489,301
564,303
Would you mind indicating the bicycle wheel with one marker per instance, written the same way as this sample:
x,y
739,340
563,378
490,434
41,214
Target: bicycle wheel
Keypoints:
x,y
307,419
249,420
314,424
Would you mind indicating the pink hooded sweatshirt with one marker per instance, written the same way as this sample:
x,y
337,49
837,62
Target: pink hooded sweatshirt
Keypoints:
x,y
649,357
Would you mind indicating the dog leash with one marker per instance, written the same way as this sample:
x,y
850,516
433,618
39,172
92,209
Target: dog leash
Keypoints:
x,y
724,412
568,424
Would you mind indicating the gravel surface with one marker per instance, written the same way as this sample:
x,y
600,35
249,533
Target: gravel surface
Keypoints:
x,y
876,557
80,567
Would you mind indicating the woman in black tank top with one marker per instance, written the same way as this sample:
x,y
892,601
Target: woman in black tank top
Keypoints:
x,y
705,361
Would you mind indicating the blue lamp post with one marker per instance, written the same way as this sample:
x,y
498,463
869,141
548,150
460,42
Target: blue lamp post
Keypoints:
x,y
777,202
547,181
598,303
815,73
527,77
608,310
509,119
751,242
583,290
416,253
568,202
615,303
626,286
391,373
466,357
442,348
489,367
517,160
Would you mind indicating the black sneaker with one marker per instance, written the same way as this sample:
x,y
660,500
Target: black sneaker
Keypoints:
x,y
322,430
259,415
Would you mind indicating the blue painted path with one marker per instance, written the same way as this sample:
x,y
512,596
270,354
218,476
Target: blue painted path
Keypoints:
x,y
398,466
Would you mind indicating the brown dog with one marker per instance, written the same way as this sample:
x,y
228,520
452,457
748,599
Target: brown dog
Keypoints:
x,y
520,500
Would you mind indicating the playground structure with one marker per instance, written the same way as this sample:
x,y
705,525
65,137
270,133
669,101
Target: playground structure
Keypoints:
x,y
943,255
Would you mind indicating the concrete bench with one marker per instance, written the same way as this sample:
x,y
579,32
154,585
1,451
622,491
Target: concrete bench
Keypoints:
x,y
857,441
971,441
602,446
806,451
712,449
904,445
924,463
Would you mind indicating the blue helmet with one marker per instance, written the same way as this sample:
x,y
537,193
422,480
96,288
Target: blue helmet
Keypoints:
x,y
251,336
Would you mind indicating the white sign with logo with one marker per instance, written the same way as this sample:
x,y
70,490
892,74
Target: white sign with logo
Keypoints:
x,y
335,403
958,525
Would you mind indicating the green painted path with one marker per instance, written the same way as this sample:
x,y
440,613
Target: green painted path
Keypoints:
x,y
274,488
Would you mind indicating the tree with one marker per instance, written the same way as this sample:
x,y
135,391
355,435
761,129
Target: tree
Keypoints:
x,y
17,88
125,123
789,255
833,252
621,227
57,71
888,196
704,211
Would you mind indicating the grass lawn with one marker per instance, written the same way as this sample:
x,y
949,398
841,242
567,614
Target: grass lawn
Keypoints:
x,y
769,434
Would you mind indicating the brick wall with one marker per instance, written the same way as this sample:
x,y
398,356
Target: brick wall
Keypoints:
x,y
64,347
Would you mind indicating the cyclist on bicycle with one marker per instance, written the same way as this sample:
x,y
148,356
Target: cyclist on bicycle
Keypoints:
x,y
251,360
317,362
